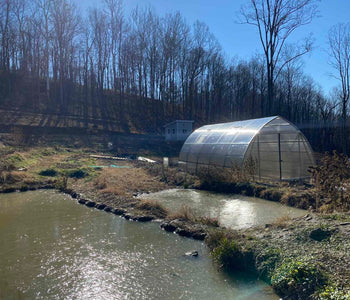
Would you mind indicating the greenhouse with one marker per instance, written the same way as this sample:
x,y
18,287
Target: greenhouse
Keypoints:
x,y
272,148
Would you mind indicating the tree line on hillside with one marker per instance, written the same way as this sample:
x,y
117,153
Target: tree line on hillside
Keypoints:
x,y
145,68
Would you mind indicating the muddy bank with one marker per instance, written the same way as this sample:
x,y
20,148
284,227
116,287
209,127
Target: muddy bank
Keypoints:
x,y
302,258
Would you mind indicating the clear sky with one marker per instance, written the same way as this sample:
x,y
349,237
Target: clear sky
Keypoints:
x,y
241,41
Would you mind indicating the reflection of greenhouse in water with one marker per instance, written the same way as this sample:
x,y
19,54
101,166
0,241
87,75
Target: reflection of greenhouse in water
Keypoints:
x,y
273,146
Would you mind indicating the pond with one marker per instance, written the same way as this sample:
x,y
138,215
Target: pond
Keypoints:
x,y
233,211
54,248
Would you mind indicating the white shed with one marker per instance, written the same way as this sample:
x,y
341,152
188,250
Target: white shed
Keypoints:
x,y
178,130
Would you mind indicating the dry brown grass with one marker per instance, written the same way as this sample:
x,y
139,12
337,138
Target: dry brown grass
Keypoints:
x,y
126,181
184,213
214,222
101,182
282,221
154,207
13,177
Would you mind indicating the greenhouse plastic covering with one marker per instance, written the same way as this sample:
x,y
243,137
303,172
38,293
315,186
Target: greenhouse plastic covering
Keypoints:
x,y
274,148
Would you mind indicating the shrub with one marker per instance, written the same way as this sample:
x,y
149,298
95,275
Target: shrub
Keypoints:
x,y
48,172
229,255
299,278
330,178
214,238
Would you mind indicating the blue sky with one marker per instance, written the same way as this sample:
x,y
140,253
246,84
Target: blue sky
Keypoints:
x,y
241,41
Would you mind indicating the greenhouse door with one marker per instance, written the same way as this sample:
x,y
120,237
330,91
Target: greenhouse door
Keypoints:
x,y
279,155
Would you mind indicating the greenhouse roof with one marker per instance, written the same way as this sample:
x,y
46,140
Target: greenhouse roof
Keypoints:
x,y
274,142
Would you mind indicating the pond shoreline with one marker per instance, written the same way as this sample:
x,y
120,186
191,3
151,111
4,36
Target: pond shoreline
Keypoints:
x,y
257,246
249,244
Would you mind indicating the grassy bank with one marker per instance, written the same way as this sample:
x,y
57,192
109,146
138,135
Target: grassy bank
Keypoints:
x,y
113,183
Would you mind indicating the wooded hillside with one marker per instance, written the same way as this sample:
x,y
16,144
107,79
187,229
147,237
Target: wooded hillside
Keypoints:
x,y
133,73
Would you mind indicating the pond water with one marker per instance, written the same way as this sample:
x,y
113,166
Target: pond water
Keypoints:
x,y
54,248
234,211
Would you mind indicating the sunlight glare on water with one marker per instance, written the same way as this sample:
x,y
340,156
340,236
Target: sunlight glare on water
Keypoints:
x,y
54,248
234,211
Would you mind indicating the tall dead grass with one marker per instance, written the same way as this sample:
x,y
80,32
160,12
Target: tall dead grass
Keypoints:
x,y
282,221
154,207
186,213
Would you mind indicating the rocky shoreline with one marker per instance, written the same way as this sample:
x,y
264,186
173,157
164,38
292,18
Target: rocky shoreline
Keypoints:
x,y
178,226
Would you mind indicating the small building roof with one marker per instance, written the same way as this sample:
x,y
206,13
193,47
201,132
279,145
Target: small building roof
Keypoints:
x,y
178,121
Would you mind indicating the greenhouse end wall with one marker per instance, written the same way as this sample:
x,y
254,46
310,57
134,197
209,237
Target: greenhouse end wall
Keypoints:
x,y
273,148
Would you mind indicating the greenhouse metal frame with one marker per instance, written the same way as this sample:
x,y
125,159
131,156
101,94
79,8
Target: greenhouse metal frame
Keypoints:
x,y
275,148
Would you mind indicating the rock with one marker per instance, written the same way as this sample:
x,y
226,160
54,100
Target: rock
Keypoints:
x,y
119,211
74,195
193,253
107,209
167,226
320,234
199,235
128,217
345,223
143,218
100,206
158,220
183,232
90,203
135,194
307,217
82,201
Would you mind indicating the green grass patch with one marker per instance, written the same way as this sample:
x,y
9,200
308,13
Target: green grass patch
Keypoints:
x,y
332,292
297,277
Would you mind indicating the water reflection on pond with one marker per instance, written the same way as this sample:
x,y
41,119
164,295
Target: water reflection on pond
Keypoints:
x,y
234,211
54,248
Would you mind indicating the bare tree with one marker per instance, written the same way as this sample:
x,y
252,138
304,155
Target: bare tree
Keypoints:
x,y
5,33
44,8
276,20
65,30
339,46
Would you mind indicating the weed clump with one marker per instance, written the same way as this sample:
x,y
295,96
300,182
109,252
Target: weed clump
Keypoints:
x,y
153,207
184,213
228,255
300,278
